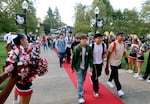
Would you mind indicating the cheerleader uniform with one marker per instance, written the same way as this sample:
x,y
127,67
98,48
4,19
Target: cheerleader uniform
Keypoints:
x,y
28,65
133,51
140,57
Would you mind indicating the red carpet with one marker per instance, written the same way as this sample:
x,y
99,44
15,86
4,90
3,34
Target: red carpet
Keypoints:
x,y
106,97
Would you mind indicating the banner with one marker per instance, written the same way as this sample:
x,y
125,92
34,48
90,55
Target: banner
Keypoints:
x,y
20,19
100,23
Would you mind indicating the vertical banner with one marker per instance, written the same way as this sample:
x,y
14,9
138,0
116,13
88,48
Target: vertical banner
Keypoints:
x,y
20,19
100,23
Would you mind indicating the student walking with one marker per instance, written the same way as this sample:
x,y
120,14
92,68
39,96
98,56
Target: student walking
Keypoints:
x,y
44,43
69,40
99,49
82,58
75,43
61,48
115,52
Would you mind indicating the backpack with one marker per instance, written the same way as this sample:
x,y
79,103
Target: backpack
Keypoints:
x,y
103,45
114,47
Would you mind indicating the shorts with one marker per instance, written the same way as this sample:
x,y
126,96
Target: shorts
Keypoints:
x,y
24,89
132,56
140,59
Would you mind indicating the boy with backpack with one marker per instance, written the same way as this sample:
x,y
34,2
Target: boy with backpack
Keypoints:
x,y
61,44
115,52
99,49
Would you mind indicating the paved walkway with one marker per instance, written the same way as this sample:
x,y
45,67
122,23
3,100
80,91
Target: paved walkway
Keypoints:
x,y
56,87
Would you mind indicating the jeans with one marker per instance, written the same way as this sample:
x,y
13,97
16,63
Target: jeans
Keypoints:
x,y
45,47
61,56
80,75
52,45
68,53
97,70
114,75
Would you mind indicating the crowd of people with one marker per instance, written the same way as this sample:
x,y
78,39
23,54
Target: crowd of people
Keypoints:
x,y
89,53
84,53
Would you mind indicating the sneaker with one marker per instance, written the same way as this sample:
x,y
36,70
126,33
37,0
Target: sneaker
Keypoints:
x,y
136,75
111,85
61,66
140,77
148,80
96,94
121,93
130,71
81,100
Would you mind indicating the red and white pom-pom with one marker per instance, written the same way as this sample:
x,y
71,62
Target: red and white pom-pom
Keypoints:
x,y
8,69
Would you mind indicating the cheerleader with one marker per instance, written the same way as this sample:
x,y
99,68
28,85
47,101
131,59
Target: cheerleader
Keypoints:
x,y
132,56
140,60
26,61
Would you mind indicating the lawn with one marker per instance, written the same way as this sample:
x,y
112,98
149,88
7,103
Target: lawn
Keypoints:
x,y
2,59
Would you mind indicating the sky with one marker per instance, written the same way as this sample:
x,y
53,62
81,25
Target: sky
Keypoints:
x,y
66,7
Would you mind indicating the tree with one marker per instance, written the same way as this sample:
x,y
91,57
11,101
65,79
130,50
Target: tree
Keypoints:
x,y
145,12
106,12
145,16
8,10
52,20
50,13
82,20
128,21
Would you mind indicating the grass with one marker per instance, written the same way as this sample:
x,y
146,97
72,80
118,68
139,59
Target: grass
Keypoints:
x,y
2,60
143,66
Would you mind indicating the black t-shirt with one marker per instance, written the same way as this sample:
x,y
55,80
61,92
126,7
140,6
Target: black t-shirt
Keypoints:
x,y
74,44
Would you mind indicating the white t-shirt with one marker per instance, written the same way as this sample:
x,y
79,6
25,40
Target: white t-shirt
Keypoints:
x,y
97,53
116,55
83,58
134,48
69,41
141,51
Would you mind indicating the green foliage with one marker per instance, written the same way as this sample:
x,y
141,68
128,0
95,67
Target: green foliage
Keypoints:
x,y
52,20
128,21
8,11
82,22
2,59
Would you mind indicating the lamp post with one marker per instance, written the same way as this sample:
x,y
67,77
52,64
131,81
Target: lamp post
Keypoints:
x,y
25,7
96,15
